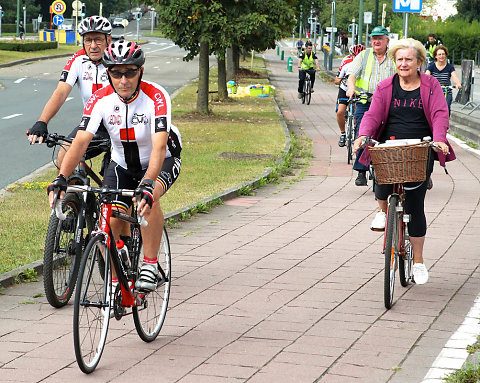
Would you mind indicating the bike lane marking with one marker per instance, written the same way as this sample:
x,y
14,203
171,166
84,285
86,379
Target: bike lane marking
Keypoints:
x,y
12,116
19,80
454,353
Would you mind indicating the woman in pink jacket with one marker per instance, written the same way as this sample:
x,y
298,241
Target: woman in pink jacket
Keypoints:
x,y
408,105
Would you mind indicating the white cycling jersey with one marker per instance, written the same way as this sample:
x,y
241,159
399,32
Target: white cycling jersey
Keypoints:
x,y
88,75
131,124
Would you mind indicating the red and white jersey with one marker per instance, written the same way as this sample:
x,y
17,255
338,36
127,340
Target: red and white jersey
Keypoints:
x,y
85,73
131,125
342,70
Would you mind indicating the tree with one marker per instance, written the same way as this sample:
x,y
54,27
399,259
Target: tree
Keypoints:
x,y
468,9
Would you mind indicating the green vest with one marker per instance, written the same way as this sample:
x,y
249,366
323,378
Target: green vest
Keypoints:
x,y
363,81
431,48
308,62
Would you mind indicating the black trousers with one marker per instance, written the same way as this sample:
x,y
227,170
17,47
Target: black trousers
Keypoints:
x,y
301,76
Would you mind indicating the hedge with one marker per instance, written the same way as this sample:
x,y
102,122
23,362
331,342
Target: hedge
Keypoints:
x,y
461,37
27,46
12,28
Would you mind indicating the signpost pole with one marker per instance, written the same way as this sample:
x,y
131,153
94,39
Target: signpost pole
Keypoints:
x,y
332,37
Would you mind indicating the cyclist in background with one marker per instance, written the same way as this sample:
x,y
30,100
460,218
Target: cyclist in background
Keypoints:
x,y
146,147
341,81
430,46
83,68
307,62
443,71
407,105
299,45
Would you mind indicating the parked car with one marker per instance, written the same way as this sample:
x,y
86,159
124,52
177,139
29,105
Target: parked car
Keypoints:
x,y
117,22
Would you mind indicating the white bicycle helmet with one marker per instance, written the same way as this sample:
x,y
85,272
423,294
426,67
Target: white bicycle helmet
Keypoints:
x,y
95,24
123,52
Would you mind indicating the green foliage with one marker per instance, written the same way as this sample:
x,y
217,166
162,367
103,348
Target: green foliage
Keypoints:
x,y
28,275
467,374
27,46
468,9
12,28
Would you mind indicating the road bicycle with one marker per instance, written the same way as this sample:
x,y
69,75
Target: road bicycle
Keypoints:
x,y
350,127
97,299
65,240
396,165
307,89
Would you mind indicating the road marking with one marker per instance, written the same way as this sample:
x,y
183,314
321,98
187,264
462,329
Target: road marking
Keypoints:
x,y
68,99
453,355
162,49
12,116
19,80
168,62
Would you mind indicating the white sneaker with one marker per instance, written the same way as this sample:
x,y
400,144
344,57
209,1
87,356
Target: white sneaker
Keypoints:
x,y
148,278
378,223
420,273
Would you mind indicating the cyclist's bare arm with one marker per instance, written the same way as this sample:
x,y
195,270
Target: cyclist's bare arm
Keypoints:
x,y
159,149
456,80
351,85
299,65
317,64
53,105
73,156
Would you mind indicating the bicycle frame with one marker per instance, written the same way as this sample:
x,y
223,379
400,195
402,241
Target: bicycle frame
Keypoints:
x,y
400,210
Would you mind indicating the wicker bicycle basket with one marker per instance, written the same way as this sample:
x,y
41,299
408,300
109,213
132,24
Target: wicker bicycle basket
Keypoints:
x,y
400,164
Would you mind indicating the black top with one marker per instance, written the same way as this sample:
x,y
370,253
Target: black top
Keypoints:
x,y
406,118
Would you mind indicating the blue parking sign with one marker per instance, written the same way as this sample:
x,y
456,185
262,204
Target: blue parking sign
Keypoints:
x,y
414,6
58,19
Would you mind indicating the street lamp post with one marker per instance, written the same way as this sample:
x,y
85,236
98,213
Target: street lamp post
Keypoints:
x,y
0,20
360,22
18,16
25,19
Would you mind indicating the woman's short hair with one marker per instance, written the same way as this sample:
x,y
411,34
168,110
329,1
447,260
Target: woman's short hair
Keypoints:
x,y
420,50
438,47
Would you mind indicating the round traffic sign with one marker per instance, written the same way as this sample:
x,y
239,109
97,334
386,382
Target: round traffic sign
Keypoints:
x,y
58,7
77,5
58,19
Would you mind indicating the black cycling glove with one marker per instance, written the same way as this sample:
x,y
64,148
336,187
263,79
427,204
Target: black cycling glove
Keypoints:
x,y
59,182
145,191
39,129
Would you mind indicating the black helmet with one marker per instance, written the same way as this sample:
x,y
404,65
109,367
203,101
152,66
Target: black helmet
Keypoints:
x,y
95,24
123,52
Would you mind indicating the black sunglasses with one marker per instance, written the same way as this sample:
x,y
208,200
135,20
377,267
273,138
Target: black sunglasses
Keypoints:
x,y
129,73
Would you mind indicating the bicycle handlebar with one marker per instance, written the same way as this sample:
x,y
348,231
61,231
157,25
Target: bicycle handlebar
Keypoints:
x,y
102,190
368,140
54,139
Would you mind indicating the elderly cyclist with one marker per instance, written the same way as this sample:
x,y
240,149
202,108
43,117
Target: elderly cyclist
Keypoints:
x,y
146,147
84,68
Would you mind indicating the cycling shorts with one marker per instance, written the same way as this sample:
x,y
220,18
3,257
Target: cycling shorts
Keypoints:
x,y
342,97
92,151
121,178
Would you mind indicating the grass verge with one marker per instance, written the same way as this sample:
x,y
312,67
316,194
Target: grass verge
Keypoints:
x,y
9,56
241,125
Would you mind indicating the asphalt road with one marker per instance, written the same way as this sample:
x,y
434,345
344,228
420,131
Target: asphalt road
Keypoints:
x,y
24,90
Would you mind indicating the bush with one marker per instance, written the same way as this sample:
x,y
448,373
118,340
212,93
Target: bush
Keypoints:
x,y
12,28
27,46
461,37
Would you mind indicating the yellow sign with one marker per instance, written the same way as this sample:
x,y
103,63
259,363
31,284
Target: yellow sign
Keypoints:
x,y
59,7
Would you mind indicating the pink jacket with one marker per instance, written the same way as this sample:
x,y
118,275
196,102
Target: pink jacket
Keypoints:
x,y
434,106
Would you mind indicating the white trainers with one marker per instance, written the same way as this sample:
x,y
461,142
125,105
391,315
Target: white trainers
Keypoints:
x,y
148,278
420,273
378,223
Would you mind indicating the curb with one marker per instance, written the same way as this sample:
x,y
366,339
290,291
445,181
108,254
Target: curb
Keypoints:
x,y
8,278
23,61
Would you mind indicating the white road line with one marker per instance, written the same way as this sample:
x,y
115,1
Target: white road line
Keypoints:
x,y
162,49
168,62
453,355
19,80
12,116
69,98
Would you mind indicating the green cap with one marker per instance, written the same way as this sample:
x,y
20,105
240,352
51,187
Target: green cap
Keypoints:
x,y
379,31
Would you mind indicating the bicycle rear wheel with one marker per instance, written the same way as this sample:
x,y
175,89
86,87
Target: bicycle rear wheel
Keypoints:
x,y
308,91
150,314
391,246
61,257
91,313
350,133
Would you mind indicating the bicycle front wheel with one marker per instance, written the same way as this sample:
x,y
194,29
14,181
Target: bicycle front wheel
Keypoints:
x,y
150,313
391,246
91,314
308,92
61,257
350,134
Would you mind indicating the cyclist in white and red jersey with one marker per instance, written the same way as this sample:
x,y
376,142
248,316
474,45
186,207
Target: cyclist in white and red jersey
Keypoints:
x,y
341,81
85,69
145,146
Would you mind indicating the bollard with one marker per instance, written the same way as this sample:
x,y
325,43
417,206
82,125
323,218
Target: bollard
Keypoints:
x,y
289,64
282,56
278,50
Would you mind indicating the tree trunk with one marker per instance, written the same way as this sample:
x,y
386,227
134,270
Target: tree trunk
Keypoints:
x,y
230,65
236,58
222,79
203,73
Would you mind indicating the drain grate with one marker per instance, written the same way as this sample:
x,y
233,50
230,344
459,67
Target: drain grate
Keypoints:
x,y
245,156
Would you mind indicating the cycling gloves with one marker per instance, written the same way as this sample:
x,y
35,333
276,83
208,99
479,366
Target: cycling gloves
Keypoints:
x,y
145,191
59,182
39,129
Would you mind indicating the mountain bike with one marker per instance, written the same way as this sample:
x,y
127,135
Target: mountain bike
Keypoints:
x,y
65,240
397,165
307,89
96,299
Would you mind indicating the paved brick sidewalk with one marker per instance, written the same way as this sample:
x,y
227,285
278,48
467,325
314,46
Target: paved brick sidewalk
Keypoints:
x,y
283,286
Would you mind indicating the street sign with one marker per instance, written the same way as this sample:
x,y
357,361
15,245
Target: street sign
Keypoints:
x,y
330,29
58,7
77,5
124,23
367,17
58,19
414,6
76,13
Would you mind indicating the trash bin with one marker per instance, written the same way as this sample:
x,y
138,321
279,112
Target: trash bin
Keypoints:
x,y
231,87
